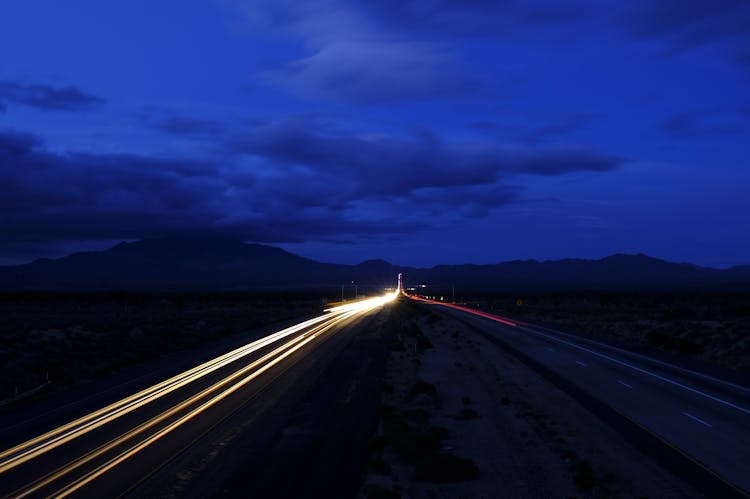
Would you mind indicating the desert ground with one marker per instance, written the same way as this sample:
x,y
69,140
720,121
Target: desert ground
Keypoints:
x,y
52,341
461,418
709,329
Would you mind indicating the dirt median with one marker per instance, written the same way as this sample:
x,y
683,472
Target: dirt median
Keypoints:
x,y
462,418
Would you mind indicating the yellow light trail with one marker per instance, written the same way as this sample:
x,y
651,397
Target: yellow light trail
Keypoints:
x,y
23,452
44,443
182,405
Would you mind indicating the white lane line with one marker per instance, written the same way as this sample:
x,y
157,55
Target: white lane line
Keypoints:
x,y
629,387
646,358
581,363
640,370
695,418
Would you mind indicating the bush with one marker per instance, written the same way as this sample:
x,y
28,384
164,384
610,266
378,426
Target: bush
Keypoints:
x,y
423,343
379,492
423,387
583,475
442,467
467,413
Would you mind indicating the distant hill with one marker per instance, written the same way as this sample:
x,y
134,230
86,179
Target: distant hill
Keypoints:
x,y
616,272
223,264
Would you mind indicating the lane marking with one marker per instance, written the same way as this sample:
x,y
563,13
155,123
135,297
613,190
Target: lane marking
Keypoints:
x,y
599,344
581,363
521,326
645,358
695,418
635,368
640,370
629,387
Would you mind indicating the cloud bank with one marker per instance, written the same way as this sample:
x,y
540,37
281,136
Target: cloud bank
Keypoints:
x,y
47,97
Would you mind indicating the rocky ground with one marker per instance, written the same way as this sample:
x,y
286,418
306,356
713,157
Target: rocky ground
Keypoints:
x,y
461,418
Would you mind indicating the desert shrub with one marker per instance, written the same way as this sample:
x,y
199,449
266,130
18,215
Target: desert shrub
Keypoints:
x,y
423,343
373,491
378,464
583,475
442,467
410,434
423,387
467,413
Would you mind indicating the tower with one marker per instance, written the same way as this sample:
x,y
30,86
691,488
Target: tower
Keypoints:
x,y
400,283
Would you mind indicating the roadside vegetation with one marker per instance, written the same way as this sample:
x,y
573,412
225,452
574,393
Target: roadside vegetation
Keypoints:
x,y
56,340
460,417
711,327
407,438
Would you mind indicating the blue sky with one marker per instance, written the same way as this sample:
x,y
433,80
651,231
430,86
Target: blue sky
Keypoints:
x,y
420,132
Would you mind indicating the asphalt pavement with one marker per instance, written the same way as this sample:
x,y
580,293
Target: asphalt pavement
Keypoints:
x,y
702,420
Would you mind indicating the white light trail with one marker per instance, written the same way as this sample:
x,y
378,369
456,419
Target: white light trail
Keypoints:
x,y
53,439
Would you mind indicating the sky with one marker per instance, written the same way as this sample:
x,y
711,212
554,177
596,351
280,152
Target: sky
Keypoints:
x,y
417,131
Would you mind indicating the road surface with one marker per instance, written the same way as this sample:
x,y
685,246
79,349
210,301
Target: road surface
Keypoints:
x,y
111,450
704,420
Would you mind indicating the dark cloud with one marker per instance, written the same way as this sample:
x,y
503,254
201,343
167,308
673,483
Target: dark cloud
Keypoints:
x,y
555,129
98,196
47,97
14,143
189,127
559,161
742,57
474,201
374,52
687,24
563,126
288,181
484,125
87,197
350,55
386,165
480,18
439,18
700,124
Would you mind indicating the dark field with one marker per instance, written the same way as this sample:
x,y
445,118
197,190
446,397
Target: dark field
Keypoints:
x,y
714,328
68,339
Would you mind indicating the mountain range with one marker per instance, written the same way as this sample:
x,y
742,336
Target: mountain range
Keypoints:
x,y
212,264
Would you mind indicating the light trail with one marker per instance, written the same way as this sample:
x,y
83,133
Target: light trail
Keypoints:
x,y
278,352
496,318
53,439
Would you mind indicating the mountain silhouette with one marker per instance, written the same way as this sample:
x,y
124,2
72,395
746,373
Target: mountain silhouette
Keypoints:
x,y
206,264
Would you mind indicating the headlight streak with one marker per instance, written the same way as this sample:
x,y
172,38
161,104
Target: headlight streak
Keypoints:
x,y
46,480
52,439
65,433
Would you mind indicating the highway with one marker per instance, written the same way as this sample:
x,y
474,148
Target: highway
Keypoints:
x,y
108,451
698,419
